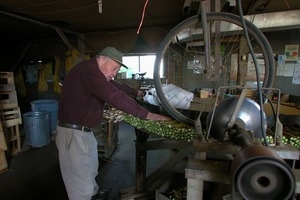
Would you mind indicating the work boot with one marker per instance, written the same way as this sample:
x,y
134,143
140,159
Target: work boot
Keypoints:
x,y
101,195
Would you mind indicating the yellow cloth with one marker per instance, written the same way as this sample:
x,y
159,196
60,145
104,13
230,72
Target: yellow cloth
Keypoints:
x,y
87,57
69,61
72,58
20,83
42,84
48,71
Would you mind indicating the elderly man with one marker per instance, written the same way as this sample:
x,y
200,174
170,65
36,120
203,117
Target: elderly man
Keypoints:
x,y
85,91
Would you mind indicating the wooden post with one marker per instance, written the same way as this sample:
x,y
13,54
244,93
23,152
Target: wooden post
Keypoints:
x,y
242,69
141,160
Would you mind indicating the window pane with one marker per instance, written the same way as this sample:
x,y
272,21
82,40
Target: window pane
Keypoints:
x,y
132,62
147,65
139,64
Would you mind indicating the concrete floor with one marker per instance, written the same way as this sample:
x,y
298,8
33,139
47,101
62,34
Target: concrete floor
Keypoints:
x,y
34,173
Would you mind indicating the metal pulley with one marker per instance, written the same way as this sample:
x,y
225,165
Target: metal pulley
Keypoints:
x,y
259,173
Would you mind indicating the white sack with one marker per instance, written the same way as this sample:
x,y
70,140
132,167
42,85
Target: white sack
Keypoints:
x,y
178,97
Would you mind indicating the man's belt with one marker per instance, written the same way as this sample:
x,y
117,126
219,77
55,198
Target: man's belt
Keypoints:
x,y
77,127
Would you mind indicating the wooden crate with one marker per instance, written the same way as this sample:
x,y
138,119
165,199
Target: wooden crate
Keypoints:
x,y
13,139
3,145
10,116
8,97
7,82
15,146
107,137
3,162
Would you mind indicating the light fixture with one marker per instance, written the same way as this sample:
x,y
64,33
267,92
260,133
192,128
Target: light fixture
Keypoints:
x,y
100,3
141,46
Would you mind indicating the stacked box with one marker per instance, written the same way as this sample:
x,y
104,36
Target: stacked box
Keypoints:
x,y
3,162
8,98
3,148
10,114
7,82
12,134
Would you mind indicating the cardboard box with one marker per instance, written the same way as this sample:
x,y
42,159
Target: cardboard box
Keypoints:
x,y
203,104
204,94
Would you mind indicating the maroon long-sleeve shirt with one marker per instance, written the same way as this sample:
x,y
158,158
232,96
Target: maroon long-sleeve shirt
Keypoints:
x,y
85,91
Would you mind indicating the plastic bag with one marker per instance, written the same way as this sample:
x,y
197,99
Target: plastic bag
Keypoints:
x,y
178,97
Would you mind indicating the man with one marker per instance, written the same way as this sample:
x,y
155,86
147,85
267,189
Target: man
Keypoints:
x,y
85,91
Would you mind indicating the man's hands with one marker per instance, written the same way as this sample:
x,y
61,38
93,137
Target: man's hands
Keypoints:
x,y
158,117
140,94
153,116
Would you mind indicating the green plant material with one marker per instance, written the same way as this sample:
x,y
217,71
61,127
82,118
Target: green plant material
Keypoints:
x,y
168,129
293,140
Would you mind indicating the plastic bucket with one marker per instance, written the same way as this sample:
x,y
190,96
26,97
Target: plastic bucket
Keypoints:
x,y
48,105
36,128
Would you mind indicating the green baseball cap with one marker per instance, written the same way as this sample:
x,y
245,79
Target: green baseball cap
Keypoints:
x,y
114,54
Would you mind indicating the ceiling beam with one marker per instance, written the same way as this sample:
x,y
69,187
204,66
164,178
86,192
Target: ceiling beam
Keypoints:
x,y
64,38
275,21
37,22
267,22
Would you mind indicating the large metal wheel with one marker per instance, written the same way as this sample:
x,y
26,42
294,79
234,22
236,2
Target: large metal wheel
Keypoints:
x,y
180,57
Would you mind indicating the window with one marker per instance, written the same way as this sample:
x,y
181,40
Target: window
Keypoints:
x,y
139,64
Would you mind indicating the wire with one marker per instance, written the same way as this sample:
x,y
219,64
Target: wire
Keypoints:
x,y
256,68
143,15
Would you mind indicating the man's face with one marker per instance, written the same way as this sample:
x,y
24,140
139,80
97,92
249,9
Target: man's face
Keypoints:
x,y
109,68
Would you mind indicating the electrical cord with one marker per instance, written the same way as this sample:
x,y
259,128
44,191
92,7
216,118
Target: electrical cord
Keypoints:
x,y
143,15
256,69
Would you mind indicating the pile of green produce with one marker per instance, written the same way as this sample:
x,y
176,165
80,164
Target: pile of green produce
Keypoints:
x,y
293,140
168,129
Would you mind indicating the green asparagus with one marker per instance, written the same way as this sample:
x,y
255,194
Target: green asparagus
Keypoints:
x,y
168,129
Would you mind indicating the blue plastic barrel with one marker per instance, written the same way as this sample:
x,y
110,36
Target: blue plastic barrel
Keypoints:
x,y
36,128
48,105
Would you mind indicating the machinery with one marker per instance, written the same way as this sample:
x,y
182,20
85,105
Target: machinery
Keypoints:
x,y
232,153
256,170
